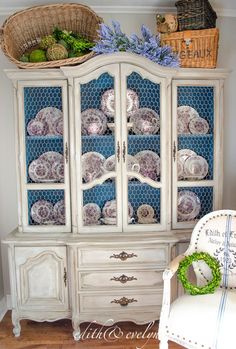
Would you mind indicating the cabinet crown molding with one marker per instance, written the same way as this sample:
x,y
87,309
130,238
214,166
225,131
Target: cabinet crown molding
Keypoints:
x,y
119,57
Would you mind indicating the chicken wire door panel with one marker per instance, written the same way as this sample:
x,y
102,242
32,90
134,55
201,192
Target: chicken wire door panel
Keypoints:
x,y
98,146
196,148
193,203
46,208
144,149
43,124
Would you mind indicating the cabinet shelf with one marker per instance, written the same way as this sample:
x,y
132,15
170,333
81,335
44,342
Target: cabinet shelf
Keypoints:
x,y
203,136
93,138
45,186
43,138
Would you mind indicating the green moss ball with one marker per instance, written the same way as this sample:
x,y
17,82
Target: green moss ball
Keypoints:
x,y
56,52
37,56
47,41
24,58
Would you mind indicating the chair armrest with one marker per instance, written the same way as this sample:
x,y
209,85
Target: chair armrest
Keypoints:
x,y
173,267
167,275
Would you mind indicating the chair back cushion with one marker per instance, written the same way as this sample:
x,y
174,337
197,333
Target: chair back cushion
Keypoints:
x,y
215,233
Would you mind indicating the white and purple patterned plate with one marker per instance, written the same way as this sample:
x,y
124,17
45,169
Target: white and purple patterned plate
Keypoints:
x,y
52,157
50,115
94,122
92,166
109,210
145,121
37,128
132,165
195,167
109,221
182,156
40,171
198,126
58,127
110,164
59,212
91,214
58,171
189,205
108,102
149,163
42,212
145,214
185,114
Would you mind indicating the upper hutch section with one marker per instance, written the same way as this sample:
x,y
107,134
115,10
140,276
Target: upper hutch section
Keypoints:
x,y
117,144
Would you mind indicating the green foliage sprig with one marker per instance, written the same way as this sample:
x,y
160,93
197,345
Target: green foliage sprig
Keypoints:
x,y
211,262
75,42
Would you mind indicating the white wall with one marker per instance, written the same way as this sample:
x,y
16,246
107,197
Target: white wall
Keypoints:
x,y
130,23
227,59
8,201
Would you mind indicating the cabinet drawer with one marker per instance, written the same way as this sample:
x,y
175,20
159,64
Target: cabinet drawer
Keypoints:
x,y
120,279
158,256
114,301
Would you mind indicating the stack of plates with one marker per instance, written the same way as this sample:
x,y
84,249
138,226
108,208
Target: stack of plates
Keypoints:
x,y
189,121
49,167
191,166
108,102
93,122
48,122
43,212
189,205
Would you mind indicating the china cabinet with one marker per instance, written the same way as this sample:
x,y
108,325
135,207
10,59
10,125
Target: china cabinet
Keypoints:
x,y
117,160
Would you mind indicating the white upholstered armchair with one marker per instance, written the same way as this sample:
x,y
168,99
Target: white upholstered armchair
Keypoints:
x,y
204,321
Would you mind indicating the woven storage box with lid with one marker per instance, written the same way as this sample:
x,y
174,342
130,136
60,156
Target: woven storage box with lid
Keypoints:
x,y
195,14
196,48
23,30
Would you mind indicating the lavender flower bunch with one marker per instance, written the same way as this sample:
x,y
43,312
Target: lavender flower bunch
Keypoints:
x,y
149,45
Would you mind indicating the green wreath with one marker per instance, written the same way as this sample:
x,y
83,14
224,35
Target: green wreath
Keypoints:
x,y
211,262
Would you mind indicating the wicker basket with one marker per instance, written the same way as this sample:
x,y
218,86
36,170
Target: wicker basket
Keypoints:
x,y
196,48
24,29
195,14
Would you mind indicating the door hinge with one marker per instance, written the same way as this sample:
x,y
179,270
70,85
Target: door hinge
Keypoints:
x,y
174,151
118,151
65,277
66,153
124,151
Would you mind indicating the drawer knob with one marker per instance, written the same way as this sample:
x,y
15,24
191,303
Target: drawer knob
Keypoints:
x,y
123,255
124,301
123,278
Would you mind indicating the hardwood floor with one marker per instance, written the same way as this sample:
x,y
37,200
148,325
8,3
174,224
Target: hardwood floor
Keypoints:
x,y
58,335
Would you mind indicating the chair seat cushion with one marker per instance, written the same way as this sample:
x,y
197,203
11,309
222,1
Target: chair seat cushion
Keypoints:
x,y
204,321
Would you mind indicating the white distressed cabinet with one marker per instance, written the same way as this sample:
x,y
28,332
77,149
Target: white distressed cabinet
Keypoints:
x,y
66,268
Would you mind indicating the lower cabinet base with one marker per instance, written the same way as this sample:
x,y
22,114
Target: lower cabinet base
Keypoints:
x,y
102,283
105,319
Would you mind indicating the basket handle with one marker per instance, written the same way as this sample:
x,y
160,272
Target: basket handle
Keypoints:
x,y
1,35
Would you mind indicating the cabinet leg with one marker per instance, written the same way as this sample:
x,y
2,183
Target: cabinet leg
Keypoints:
x,y
16,323
76,332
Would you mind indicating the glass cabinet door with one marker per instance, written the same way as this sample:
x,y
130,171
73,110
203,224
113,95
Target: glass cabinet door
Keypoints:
x,y
196,137
144,150
43,125
97,123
